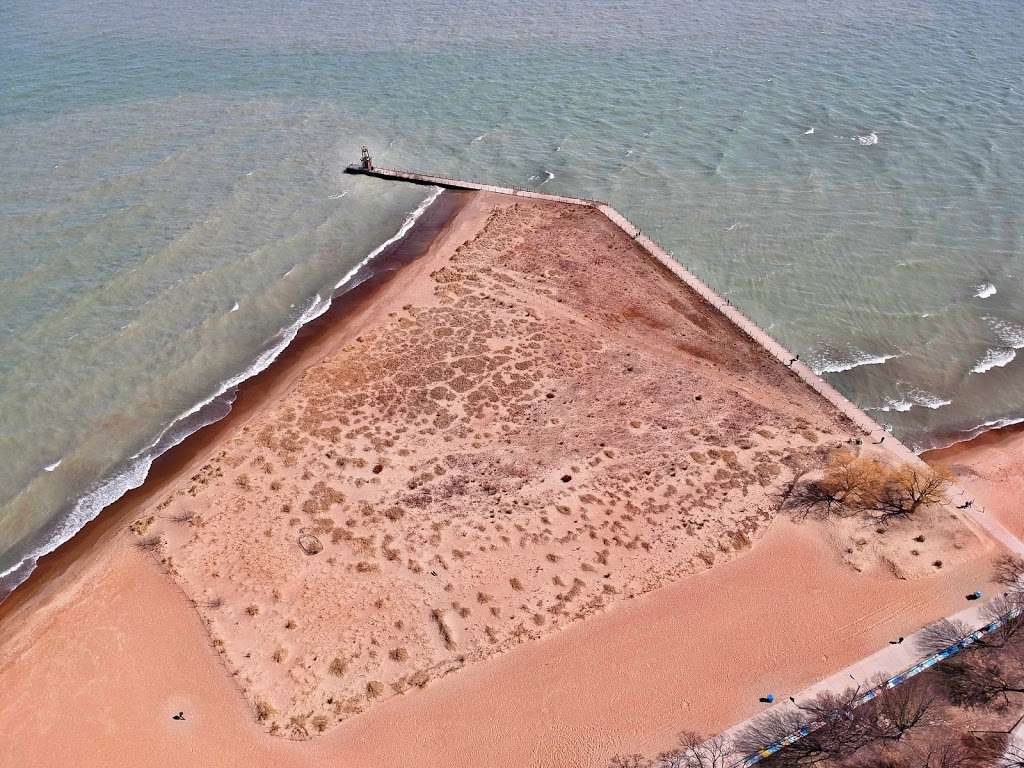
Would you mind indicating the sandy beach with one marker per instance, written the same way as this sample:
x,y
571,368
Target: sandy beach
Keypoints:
x,y
511,502
990,467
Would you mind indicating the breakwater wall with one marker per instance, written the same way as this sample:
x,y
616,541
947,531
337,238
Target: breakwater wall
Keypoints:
x,y
763,339
871,429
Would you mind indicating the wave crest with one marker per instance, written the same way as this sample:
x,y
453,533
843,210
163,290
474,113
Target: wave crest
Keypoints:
x,y
994,358
858,359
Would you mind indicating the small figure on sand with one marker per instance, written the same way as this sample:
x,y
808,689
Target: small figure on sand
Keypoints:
x,y
896,642
974,596
966,505
767,699
790,363
880,440
179,716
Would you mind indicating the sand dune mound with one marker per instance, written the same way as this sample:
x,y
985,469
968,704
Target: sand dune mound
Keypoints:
x,y
553,424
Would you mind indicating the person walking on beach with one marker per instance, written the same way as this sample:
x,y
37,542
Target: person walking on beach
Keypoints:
x,y
966,505
790,363
179,716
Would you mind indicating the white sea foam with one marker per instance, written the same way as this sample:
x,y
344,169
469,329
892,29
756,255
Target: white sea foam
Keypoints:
x,y
479,138
109,490
406,226
985,290
838,366
338,196
895,405
1010,335
731,228
866,141
809,131
549,175
912,399
980,429
51,467
235,307
994,358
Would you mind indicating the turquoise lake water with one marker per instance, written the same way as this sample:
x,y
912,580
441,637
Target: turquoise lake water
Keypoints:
x,y
173,205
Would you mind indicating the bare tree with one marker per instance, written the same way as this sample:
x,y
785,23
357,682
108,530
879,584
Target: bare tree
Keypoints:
x,y
1008,610
851,485
694,751
845,484
903,709
946,754
947,632
812,498
942,634
982,679
906,491
773,726
846,730
1009,571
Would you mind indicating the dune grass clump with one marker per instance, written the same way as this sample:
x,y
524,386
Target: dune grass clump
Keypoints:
x,y
264,711
150,543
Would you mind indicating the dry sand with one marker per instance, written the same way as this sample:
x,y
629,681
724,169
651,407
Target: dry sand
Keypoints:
x,y
403,527
991,469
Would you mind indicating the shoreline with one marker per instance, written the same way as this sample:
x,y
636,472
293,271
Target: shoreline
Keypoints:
x,y
990,468
417,230
949,439
351,294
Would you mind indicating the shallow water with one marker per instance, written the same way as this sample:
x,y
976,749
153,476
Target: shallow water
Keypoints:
x,y
173,196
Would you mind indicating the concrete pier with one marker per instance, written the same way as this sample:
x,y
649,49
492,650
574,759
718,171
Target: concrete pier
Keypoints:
x,y
741,321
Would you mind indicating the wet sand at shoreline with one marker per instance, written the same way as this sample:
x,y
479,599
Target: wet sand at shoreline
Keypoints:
x,y
990,467
645,585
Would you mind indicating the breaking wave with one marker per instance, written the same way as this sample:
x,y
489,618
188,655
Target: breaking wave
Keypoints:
x,y
911,399
838,366
984,290
994,358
